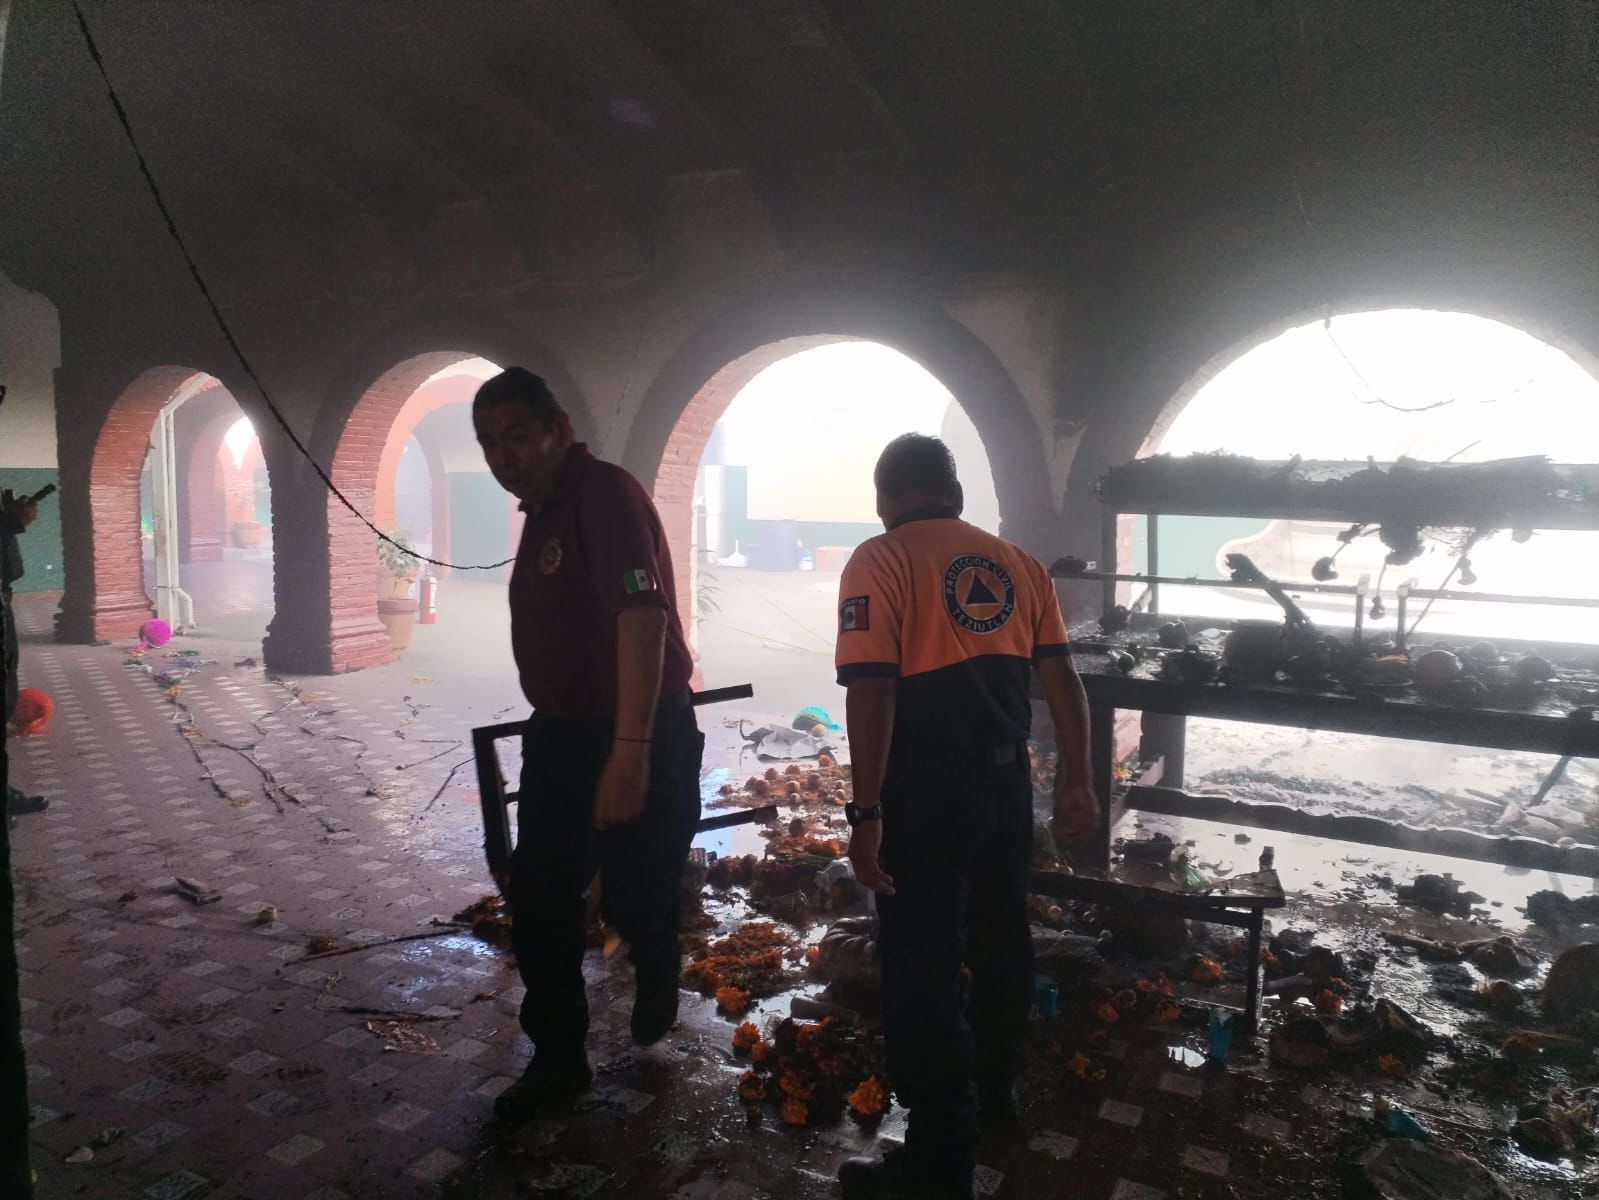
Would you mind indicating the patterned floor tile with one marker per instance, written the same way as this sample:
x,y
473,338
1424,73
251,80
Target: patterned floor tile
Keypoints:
x,y
403,1117
295,1150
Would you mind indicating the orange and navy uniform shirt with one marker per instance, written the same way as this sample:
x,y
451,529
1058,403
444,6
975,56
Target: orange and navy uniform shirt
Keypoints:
x,y
958,617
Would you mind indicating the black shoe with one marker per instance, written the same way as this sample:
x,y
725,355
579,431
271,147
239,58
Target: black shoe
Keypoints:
x,y
654,1005
19,804
893,1177
998,1109
547,1085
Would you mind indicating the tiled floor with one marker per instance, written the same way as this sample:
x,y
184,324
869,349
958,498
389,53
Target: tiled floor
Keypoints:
x,y
238,1068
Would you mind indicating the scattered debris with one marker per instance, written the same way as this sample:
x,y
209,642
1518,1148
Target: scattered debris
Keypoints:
x,y
1558,1127
489,919
1157,849
85,1153
1500,994
1555,910
267,915
1572,988
847,955
1440,894
1503,957
1405,1169
402,1036
196,892
450,929
1397,1121
769,743
751,960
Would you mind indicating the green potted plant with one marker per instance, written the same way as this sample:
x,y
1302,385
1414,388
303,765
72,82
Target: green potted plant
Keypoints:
x,y
396,572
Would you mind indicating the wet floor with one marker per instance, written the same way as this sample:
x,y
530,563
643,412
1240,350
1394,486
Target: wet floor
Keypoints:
x,y
236,1066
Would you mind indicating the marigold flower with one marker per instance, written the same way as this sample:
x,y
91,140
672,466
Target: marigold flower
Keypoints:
x,y
1166,1010
745,1036
868,1099
1206,970
751,1088
759,1051
794,1112
1108,1014
1390,1064
794,1085
732,999
1329,1003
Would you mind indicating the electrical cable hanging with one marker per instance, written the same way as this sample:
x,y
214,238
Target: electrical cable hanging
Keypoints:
x,y
222,324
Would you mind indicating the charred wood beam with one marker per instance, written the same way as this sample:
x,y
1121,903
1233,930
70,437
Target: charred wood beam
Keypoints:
x,y
1525,852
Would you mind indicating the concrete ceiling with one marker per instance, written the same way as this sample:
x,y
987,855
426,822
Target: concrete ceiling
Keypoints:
x,y
350,147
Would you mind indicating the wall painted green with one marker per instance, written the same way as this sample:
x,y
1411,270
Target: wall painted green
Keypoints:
x,y
41,545
480,526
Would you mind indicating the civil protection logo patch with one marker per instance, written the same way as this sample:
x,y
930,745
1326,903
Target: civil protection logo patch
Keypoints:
x,y
550,557
979,594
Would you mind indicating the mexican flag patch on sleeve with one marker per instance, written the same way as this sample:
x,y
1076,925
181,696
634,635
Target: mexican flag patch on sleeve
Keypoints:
x,y
637,581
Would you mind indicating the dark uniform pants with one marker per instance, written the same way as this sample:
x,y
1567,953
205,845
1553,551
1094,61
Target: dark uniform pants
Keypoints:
x,y
11,650
558,851
957,839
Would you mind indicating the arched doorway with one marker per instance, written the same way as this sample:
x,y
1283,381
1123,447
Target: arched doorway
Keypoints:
x,y
1383,385
1390,384
145,518
408,448
765,488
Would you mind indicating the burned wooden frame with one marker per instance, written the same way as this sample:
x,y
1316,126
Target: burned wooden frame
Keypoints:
x,y
498,843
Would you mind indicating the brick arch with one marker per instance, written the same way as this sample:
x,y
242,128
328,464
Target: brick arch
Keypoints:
x,y
104,595
356,636
1144,418
325,606
680,460
1255,338
690,394
426,400
1133,413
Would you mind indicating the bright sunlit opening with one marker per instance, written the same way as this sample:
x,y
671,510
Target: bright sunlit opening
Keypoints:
x,y
1434,386
238,438
810,427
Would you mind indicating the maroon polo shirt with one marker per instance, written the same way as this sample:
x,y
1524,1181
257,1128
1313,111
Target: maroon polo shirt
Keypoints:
x,y
596,547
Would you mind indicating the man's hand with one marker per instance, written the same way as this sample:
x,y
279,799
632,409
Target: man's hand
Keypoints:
x,y
19,509
865,840
623,785
1076,811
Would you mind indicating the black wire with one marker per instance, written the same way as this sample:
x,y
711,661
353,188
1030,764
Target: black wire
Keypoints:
x,y
222,324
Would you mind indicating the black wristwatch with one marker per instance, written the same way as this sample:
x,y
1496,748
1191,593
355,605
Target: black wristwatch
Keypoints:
x,y
859,816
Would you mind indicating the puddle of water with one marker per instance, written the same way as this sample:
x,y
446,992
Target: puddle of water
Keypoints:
x,y
1185,1055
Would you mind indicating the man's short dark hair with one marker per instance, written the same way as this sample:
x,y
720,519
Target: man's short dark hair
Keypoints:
x,y
916,464
518,385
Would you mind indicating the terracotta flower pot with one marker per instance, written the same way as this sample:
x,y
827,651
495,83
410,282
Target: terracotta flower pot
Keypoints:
x,y
399,619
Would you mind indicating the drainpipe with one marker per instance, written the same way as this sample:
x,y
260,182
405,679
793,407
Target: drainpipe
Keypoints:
x,y
172,603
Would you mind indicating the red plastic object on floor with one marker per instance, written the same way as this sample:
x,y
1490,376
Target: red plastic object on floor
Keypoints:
x,y
32,712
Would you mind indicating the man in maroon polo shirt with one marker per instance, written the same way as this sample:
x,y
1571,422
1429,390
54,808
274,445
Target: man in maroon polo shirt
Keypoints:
x,y
611,756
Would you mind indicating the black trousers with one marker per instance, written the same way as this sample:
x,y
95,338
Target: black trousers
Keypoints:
x,y
957,839
558,851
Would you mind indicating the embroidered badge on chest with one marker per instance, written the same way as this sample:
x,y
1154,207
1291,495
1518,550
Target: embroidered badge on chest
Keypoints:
x,y
550,557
